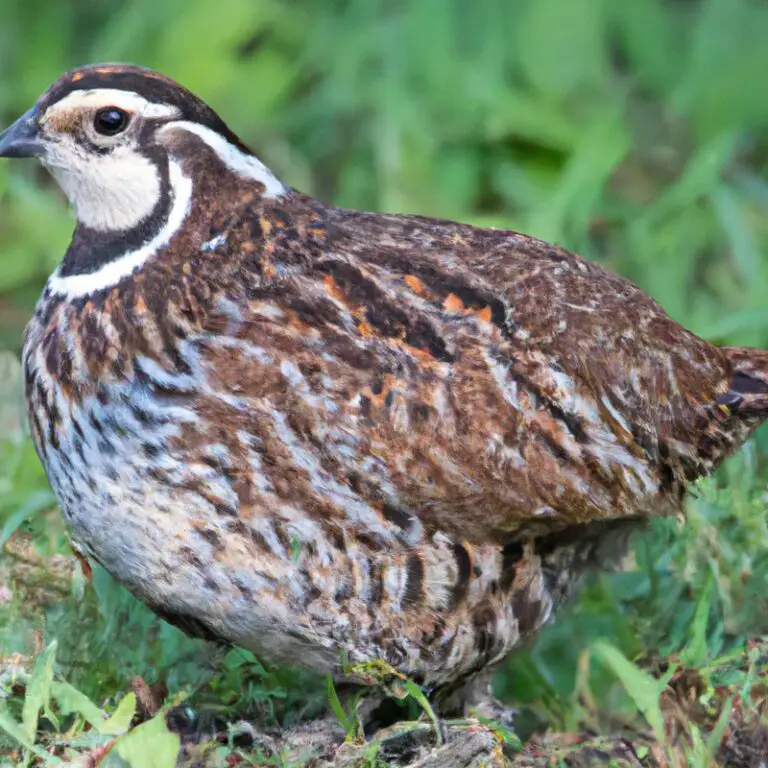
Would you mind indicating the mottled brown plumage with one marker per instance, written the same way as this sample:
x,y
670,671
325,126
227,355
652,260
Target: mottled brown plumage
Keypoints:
x,y
325,434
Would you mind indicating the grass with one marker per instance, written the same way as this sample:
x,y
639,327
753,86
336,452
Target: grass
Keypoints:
x,y
666,651
633,133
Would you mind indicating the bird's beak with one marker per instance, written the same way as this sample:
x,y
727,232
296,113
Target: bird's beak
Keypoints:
x,y
22,139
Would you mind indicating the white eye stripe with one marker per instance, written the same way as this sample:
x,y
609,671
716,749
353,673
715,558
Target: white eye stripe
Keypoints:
x,y
112,97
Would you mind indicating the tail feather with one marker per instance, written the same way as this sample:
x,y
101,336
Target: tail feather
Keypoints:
x,y
748,388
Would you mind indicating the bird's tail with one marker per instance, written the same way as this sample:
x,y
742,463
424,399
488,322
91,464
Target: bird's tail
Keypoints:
x,y
748,391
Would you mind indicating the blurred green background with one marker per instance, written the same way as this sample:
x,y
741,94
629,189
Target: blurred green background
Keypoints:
x,y
630,131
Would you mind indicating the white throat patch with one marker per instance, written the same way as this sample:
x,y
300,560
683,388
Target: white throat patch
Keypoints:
x,y
74,286
108,192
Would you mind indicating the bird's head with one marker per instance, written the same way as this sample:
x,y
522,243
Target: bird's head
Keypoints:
x,y
107,133
127,146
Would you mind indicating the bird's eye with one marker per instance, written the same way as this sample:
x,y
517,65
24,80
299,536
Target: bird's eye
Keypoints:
x,y
110,121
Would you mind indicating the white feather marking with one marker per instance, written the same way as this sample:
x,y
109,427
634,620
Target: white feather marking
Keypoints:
x,y
245,165
112,191
616,415
250,350
506,384
292,374
251,449
99,98
266,309
572,401
266,529
213,243
74,286
177,381
394,580
296,379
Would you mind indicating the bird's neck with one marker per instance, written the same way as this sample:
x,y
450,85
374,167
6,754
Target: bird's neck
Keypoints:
x,y
92,249
98,259
199,175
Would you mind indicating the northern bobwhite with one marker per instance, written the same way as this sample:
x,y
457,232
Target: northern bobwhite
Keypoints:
x,y
336,437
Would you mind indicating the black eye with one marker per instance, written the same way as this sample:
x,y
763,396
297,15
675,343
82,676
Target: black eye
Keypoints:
x,y
110,121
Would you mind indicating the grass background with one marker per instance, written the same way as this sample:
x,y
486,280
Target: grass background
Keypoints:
x,y
631,132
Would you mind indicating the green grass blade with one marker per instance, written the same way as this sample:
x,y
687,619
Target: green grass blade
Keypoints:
x,y
642,688
150,745
333,698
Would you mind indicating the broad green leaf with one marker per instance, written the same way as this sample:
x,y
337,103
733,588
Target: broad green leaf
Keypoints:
x,y
701,176
36,502
150,745
653,42
38,690
120,720
18,733
71,700
596,156
727,54
735,323
562,45
347,723
730,210
15,730
716,736
418,695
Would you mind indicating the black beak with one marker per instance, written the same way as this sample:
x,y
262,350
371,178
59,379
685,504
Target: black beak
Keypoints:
x,y
21,139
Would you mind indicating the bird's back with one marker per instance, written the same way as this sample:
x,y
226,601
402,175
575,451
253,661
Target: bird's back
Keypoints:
x,y
512,385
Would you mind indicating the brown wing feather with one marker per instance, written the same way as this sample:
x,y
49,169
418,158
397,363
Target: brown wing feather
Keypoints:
x,y
444,378
479,381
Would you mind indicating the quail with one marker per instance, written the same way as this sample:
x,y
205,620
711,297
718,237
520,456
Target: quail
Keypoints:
x,y
333,437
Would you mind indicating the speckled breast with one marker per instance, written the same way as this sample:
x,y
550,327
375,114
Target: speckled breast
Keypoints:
x,y
281,584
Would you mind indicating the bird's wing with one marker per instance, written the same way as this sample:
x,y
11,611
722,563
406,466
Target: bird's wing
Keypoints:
x,y
399,371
